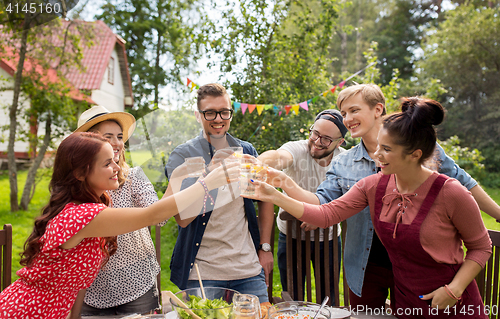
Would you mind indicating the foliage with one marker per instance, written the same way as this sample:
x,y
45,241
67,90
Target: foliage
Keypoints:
x,y
463,52
160,42
398,27
468,159
278,53
41,55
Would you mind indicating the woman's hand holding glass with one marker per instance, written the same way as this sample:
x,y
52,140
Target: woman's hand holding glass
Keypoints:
x,y
263,192
222,175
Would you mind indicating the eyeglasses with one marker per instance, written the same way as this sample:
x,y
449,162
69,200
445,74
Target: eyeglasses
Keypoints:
x,y
324,140
212,115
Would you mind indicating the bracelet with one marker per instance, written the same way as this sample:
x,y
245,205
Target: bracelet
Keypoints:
x,y
450,293
205,172
207,195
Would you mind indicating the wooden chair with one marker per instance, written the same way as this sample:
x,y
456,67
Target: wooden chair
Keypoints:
x,y
293,223
488,279
5,256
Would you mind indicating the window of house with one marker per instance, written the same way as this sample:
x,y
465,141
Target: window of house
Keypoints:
x,y
111,71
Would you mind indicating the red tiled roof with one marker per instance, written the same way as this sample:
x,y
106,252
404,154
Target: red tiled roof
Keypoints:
x,y
95,59
9,64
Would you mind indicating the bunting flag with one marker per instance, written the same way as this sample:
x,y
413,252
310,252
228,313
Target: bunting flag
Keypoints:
x,y
236,106
277,109
260,108
244,107
304,105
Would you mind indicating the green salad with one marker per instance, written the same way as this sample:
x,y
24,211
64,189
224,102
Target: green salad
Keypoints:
x,y
221,309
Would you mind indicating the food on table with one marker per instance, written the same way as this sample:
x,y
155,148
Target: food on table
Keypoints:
x,y
222,309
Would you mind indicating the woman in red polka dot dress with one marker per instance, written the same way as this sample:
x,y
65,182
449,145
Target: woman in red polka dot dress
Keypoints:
x,y
75,235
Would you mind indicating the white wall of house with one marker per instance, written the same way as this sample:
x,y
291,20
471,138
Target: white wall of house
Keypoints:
x,y
6,97
111,96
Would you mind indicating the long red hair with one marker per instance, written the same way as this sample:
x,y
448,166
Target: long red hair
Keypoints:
x,y
75,157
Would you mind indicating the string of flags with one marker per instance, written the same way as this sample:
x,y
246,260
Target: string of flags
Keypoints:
x,y
287,108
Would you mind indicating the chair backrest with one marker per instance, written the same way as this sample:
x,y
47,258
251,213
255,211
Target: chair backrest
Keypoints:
x,y
488,279
5,256
158,254
293,223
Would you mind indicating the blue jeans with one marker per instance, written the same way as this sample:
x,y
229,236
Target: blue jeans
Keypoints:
x,y
254,285
282,266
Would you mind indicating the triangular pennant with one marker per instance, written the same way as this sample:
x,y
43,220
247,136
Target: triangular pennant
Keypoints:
x,y
279,113
287,109
341,84
325,93
197,86
260,108
295,109
192,86
268,106
244,107
251,107
314,99
236,106
276,109
304,105
189,81
309,101
333,89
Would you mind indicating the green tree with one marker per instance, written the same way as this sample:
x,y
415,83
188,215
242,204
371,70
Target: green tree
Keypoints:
x,y
160,40
278,53
463,53
47,49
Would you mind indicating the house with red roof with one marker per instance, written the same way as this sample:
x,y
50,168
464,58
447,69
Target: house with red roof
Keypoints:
x,y
105,81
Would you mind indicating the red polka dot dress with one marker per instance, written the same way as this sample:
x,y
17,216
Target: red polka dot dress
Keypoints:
x,y
49,287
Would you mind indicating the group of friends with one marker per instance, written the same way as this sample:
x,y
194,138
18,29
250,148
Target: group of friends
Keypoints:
x,y
409,207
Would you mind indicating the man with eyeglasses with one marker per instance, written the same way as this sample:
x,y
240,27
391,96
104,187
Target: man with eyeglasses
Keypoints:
x,y
306,162
227,243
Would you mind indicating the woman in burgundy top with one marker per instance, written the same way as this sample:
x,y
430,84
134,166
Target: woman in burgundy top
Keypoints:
x,y
420,216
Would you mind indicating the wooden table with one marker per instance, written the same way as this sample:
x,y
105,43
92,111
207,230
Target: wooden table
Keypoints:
x,y
364,315
359,315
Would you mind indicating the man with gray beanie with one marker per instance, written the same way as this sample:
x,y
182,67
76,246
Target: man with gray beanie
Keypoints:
x,y
307,162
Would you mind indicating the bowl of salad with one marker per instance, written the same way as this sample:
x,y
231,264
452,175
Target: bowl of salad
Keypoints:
x,y
217,305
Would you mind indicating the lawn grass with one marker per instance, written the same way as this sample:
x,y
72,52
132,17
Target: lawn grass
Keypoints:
x,y
22,224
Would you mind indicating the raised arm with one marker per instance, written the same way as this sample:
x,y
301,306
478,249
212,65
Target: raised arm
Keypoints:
x,y
116,221
278,159
484,201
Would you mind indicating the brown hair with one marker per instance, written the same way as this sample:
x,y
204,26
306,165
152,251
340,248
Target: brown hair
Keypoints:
x,y
124,168
75,156
413,127
371,94
212,89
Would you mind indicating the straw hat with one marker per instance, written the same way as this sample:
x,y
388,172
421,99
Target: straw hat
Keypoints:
x,y
98,114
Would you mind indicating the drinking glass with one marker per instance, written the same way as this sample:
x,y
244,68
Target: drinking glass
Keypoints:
x,y
236,153
248,173
195,166
246,306
260,172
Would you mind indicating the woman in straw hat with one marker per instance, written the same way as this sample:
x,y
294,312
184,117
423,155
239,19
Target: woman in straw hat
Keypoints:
x,y
128,282
76,232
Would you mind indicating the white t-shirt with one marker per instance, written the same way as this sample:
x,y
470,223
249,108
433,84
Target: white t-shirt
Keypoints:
x,y
227,244
307,173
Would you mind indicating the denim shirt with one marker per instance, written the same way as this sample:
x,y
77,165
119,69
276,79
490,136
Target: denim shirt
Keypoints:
x,y
185,249
347,169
